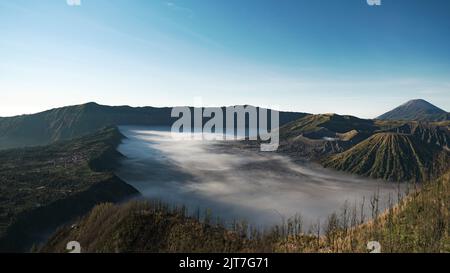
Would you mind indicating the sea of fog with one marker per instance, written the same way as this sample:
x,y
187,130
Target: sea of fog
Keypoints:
x,y
237,184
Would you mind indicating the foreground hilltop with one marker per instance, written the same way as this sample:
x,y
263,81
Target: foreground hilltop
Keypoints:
x,y
144,227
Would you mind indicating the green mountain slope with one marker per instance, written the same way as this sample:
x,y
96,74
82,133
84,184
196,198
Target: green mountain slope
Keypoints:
x,y
315,136
426,132
326,125
43,187
418,110
73,121
392,156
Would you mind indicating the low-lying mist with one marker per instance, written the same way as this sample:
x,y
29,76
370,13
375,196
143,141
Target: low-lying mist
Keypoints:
x,y
237,184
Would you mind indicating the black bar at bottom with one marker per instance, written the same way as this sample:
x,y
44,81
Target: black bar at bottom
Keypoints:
x,y
222,262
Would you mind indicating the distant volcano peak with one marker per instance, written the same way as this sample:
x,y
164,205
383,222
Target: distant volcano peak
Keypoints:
x,y
418,110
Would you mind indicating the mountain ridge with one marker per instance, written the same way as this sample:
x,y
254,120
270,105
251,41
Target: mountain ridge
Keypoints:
x,y
69,122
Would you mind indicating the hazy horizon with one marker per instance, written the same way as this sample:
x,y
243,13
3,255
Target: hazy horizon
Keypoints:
x,y
118,105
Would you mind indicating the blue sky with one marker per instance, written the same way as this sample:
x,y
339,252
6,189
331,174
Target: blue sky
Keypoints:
x,y
315,56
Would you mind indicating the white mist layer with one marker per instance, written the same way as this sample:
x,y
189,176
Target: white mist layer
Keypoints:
x,y
261,188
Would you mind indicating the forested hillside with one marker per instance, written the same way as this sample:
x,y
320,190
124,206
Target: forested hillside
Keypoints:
x,y
42,188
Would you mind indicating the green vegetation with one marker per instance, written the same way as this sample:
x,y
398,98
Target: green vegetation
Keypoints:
x,y
427,132
393,157
385,149
315,136
420,222
327,125
43,187
355,130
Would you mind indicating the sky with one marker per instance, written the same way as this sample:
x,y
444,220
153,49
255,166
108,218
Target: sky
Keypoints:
x,y
316,56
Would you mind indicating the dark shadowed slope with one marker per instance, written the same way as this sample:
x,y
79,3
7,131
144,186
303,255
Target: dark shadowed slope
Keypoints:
x,y
418,110
73,121
43,187
392,156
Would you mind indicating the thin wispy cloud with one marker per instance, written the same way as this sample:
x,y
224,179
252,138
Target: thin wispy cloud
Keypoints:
x,y
189,12
73,2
